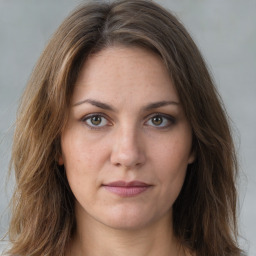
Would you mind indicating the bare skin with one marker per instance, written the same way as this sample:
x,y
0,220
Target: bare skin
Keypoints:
x,y
125,148
125,243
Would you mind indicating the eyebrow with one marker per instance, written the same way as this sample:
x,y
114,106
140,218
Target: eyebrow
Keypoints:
x,y
106,106
96,103
160,104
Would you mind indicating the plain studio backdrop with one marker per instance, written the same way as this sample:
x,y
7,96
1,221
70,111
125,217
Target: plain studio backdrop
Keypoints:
x,y
225,32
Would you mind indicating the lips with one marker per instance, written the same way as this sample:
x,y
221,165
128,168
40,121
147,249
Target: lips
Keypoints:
x,y
127,189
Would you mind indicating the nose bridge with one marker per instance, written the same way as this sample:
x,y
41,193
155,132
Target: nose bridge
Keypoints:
x,y
127,146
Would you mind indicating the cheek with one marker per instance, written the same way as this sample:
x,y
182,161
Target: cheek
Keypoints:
x,y
81,166
171,176
79,150
83,158
174,153
171,162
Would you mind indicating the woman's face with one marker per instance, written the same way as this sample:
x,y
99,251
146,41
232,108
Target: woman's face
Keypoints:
x,y
127,142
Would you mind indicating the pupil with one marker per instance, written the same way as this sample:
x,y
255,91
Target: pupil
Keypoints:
x,y
96,120
157,120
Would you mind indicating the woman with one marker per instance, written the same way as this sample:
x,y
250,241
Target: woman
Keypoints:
x,y
122,145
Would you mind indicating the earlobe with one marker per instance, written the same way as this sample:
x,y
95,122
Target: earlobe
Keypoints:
x,y
192,157
60,160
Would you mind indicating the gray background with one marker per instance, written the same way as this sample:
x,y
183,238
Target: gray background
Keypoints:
x,y
224,30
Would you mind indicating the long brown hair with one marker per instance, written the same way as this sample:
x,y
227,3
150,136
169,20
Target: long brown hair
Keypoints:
x,y
204,215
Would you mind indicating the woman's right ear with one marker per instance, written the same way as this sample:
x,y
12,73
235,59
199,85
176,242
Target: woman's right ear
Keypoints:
x,y
58,156
60,160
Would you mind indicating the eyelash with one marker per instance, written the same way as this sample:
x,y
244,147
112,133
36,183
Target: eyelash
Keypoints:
x,y
90,116
170,119
165,118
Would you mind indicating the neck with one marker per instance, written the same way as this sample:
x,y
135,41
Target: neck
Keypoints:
x,y
94,238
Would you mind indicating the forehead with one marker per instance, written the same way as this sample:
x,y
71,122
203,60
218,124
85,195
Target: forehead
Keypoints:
x,y
125,73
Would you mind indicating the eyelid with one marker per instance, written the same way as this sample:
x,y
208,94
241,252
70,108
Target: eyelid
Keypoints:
x,y
102,115
84,117
170,118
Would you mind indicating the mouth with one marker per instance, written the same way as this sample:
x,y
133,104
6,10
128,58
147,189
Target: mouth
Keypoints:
x,y
127,189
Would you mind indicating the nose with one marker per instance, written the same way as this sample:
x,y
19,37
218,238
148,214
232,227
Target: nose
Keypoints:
x,y
128,149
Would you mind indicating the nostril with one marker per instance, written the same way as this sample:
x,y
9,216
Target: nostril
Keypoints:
x,y
127,160
127,148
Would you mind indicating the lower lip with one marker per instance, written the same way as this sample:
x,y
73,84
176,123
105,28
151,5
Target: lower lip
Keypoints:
x,y
126,191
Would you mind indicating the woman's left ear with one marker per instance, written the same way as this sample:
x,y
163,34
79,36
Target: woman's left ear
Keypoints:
x,y
192,157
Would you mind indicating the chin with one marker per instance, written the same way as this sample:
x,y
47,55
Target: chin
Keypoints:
x,y
125,224
127,219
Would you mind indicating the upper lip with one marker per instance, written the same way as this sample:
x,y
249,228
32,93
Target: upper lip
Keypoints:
x,y
121,183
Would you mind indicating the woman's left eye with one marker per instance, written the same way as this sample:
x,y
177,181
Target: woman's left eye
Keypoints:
x,y
161,121
95,121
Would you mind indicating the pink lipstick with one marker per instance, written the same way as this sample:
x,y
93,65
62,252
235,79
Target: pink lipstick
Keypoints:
x,y
127,189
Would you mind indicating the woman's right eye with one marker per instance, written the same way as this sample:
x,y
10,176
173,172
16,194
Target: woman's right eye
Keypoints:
x,y
95,121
